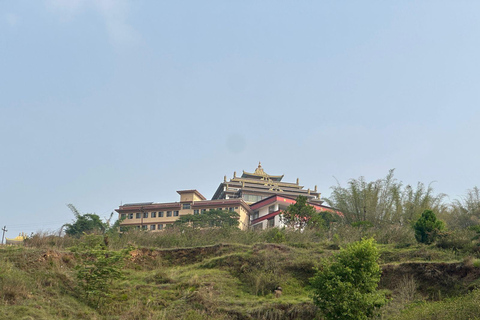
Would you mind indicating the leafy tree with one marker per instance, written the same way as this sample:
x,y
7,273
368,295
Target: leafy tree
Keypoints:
x,y
299,214
346,287
97,269
211,218
428,228
86,223
383,200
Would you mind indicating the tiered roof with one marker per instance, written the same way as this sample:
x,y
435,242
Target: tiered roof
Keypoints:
x,y
260,183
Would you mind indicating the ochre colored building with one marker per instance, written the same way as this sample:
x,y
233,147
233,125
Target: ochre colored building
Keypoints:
x,y
156,216
250,195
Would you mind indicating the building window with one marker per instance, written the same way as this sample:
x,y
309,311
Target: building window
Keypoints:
x,y
204,210
231,209
160,226
144,227
186,206
258,226
160,214
130,216
251,198
271,209
138,215
145,214
255,215
196,211
271,223
152,227
154,215
123,216
175,213
169,213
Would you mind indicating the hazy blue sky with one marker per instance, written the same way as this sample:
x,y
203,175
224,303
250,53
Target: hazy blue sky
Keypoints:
x,y
104,102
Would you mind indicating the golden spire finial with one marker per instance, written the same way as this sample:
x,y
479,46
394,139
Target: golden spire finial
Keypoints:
x,y
259,171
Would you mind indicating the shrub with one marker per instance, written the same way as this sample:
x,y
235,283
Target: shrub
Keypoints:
x,y
97,269
275,235
346,288
457,241
428,228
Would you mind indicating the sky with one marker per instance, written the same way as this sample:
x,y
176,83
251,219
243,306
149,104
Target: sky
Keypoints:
x,y
106,102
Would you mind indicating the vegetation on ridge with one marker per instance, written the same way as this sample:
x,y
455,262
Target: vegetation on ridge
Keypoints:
x,y
193,272
230,275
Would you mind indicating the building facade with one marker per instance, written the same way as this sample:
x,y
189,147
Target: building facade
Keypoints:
x,y
253,187
157,216
266,213
257,197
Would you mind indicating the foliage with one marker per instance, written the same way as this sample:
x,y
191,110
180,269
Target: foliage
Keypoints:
x,y
428,228
457,240
98,268
221,273
86,223
275,235
300,215
466,212
346,287
212,218
462,307
383,200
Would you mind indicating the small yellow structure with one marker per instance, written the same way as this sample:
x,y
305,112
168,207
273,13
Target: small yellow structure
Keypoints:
x,y
18,240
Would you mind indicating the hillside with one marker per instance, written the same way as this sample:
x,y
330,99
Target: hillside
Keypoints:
x,y
226,280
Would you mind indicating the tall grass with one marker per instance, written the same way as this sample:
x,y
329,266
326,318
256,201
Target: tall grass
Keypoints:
x,y
464,307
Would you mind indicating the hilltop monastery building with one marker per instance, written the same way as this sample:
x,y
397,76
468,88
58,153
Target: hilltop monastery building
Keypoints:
x,y
257,197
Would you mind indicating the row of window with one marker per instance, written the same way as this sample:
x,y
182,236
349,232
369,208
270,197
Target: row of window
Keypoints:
x,y
197,211
140,215
252,197
150,227
175,213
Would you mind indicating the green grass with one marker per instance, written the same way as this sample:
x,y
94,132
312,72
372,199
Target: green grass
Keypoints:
x,y
223,274
463,307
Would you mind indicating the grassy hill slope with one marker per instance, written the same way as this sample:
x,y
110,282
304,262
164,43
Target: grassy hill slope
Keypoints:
x,y
227,280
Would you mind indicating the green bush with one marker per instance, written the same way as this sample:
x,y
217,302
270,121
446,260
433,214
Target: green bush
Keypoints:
x,y
347,287
428,228
97,269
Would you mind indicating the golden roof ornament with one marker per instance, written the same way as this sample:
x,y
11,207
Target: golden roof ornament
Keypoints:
x,y
259,171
